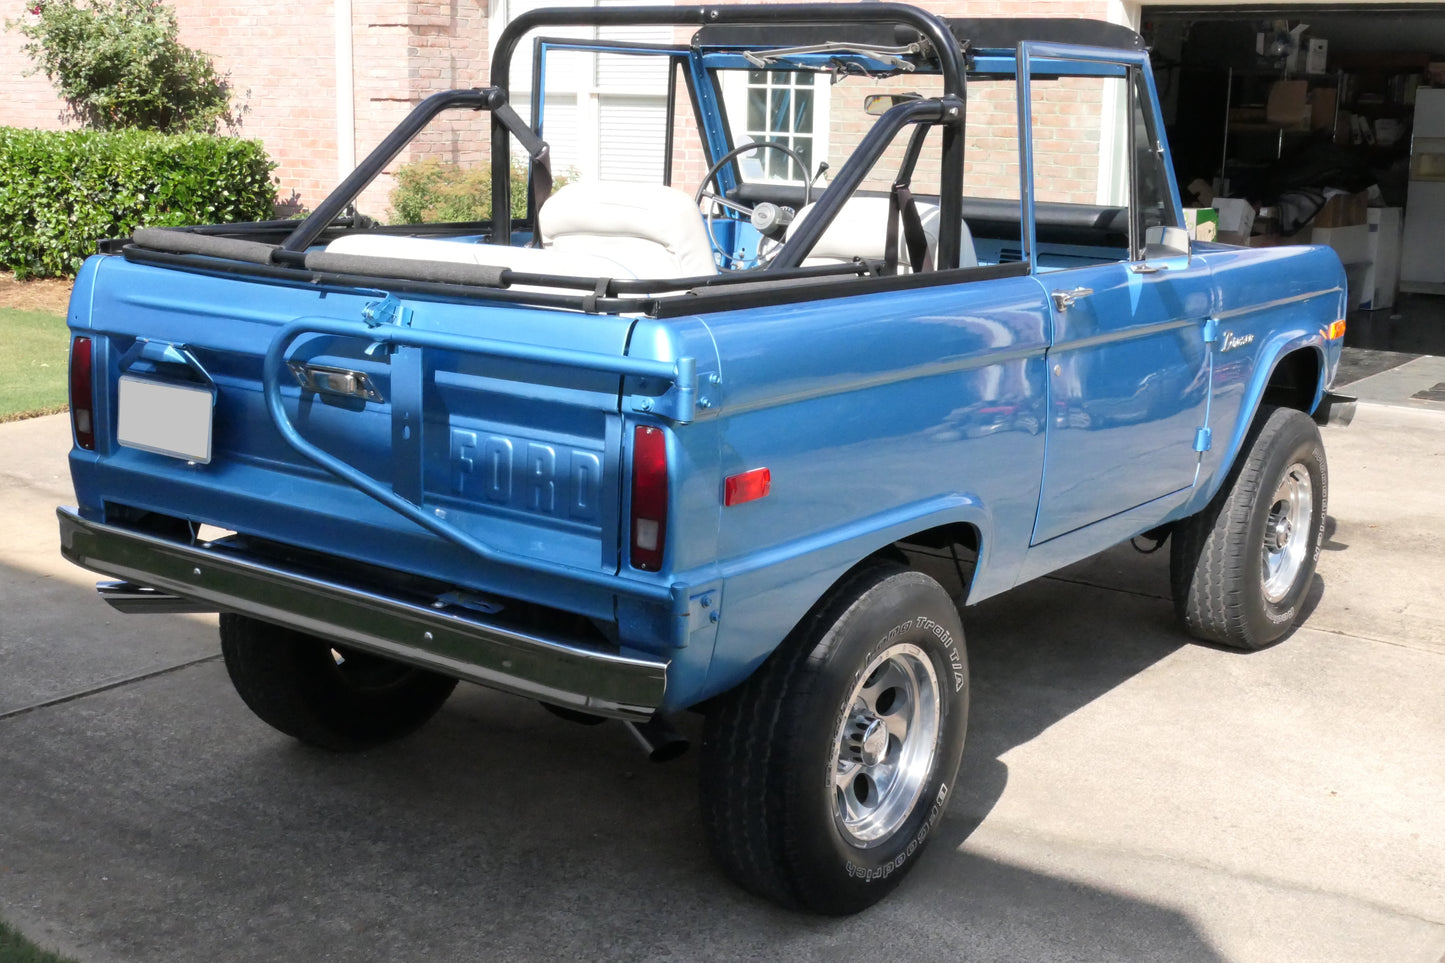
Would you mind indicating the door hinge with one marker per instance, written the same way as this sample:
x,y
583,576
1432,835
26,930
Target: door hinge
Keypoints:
x,y
1211,330
1202,439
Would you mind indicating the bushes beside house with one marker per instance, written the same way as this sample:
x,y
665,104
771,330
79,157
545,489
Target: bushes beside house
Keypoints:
x,y
431,191
120,64
63,191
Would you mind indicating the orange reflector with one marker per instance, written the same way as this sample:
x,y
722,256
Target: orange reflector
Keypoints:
x,y
1335,330
747,487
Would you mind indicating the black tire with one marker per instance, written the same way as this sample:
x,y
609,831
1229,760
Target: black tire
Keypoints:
x,y
323,694
789,758
1238,569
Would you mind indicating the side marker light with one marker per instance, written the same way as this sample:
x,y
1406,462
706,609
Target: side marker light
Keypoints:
x,y
747,487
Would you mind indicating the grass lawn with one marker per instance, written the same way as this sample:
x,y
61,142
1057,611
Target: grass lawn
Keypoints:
x,y
33,358
15,948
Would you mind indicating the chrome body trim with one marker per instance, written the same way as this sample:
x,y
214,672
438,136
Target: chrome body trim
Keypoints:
x,y
497,656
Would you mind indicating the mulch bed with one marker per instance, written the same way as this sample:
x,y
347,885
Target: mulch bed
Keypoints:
x,y
38,294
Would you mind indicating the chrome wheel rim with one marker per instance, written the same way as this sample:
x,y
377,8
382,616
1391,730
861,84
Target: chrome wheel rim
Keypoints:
x,y
885,744
1287,532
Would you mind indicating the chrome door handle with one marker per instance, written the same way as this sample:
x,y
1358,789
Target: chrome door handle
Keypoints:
x,y
1063,300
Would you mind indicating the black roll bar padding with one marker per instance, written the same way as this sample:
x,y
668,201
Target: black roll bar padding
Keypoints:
x,y
934,30
207,245
440,272
933,110
478,98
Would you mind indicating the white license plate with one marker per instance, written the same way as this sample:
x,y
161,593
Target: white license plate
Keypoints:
x,y
166,418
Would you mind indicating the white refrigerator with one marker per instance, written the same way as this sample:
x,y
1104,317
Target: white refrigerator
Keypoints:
x,y
1422,256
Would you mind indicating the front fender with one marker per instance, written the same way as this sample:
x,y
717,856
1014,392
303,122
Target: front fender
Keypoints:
x,y
1275,329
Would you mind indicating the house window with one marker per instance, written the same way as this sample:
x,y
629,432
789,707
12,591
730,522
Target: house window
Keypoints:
x,y
781,108
789,107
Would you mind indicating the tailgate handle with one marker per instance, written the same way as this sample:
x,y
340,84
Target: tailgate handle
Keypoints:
x,y
342,382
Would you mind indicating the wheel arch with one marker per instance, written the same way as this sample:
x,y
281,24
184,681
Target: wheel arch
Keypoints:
x,y
1295,381
1293,378
785,588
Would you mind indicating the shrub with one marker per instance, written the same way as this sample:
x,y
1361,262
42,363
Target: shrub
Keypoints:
x,y
117,64
430,191
62,191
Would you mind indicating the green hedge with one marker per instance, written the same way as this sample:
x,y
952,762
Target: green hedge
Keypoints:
x,y
62,191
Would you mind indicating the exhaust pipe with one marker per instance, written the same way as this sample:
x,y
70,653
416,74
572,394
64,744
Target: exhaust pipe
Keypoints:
x,y
659,738
142,599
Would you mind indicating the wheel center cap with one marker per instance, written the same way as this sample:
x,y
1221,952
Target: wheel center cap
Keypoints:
x,y
1281,533
874,744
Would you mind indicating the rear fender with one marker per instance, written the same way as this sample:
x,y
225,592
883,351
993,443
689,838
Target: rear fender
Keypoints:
x,y
784,582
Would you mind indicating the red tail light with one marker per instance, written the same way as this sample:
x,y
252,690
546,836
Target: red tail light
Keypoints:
x,y
649,497
82,394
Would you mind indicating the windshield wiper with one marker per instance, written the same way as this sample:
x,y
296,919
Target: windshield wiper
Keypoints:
x,y
892,56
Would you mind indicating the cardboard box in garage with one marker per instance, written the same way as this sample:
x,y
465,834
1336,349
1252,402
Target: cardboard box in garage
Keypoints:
x,y
1288,104
1351,243
1202,223
1236,219
1343,210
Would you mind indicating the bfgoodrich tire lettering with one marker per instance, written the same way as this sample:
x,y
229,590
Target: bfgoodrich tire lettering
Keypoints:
x,y
825,774
1242,567
326,695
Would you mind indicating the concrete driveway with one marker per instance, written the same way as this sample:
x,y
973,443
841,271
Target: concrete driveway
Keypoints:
x,y
1127,795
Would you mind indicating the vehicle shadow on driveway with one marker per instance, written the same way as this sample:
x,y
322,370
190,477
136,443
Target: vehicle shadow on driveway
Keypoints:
x,y
161,821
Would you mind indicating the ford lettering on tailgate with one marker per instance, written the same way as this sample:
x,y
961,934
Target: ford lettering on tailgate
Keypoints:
x,y
527,474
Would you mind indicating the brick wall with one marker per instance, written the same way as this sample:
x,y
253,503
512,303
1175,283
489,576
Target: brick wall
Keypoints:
x,y
29,101
280,60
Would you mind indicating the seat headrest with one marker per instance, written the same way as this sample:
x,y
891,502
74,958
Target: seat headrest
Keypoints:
x,y
655,230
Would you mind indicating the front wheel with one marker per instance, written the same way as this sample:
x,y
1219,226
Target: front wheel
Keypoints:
x,y
824,774
323,694
1242,567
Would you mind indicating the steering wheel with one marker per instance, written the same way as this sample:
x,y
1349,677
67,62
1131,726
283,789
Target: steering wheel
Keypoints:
x,y
764,216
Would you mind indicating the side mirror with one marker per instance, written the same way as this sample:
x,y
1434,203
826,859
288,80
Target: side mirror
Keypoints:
x,y
1162,242
876,105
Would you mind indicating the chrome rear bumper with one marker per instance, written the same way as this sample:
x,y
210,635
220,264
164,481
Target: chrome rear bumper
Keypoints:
x,y
171,576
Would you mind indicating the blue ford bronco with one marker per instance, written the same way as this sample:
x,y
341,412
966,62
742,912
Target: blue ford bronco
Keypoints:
x,y
643,450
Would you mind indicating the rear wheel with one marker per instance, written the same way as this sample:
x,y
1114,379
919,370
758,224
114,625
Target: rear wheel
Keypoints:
x,y
824,774
1242,567
323,694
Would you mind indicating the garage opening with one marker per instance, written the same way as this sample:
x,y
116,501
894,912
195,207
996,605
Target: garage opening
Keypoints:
x,y
1325,124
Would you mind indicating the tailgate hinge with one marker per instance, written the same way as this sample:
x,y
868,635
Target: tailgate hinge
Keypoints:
x,y
389,310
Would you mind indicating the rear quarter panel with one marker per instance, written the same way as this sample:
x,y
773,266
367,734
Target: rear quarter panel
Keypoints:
x,y
878,416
